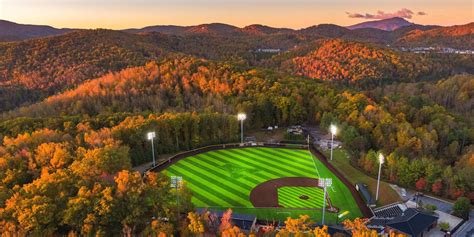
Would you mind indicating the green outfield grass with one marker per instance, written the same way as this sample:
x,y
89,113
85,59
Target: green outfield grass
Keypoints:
x,y
224,179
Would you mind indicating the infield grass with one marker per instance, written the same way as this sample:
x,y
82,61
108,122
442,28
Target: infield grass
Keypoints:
x,y
223,179
292,197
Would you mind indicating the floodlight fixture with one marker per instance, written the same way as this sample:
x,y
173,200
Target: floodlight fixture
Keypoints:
x,y
151,135
241,116
381,158
333,129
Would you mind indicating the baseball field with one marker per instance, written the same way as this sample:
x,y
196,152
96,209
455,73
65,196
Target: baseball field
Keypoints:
x,y
271,183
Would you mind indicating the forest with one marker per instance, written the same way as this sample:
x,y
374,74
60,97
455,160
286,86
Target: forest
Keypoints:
x,y
75,110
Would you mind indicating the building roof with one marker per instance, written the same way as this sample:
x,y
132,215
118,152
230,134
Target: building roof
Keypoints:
x,y
412,222
390,211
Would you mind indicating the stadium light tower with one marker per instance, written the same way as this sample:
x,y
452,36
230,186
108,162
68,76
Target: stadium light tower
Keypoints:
x,y
151,136
241,117
333,130
381,161
324,183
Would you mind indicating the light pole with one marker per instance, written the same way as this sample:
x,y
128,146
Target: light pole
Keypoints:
x,y
241,117
176,182
381,161
324,183
333,130
151,136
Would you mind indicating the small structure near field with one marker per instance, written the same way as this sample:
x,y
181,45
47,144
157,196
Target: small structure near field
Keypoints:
x,y
250,139
365,193
295,130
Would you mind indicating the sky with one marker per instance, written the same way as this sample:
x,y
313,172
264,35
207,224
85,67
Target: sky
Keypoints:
x,y
122,14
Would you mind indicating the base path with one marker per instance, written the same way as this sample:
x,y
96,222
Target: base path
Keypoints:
x,y
266,193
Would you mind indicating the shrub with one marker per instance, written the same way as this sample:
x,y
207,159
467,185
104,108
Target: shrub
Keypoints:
x,y
461,208
444,226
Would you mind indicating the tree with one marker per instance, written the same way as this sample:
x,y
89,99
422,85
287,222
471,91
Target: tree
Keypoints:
x,y
196,224
437,187
461,208
297,225
358,228
420,184
106,160
226,221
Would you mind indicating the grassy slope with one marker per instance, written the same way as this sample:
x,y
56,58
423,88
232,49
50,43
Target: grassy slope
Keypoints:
x,y
341,162
224,178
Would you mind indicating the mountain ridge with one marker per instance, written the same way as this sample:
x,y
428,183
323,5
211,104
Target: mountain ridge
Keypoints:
x,y
389,24
11,31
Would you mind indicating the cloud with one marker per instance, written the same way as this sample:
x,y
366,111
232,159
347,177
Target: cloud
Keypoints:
x,y
403,13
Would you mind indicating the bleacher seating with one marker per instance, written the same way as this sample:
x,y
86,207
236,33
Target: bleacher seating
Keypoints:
x,y
390,212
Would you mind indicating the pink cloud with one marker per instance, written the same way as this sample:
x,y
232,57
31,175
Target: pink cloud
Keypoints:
x,y
403,13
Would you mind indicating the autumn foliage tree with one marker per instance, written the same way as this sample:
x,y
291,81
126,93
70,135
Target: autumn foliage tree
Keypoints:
x,y
420,184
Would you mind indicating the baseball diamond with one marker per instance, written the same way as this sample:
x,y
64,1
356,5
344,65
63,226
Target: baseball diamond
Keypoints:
x,y
263,181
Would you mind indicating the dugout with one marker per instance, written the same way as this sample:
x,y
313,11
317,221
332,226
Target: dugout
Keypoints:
x,y
363,189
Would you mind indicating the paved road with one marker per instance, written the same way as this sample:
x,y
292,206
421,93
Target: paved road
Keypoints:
x,y
441,205
466,230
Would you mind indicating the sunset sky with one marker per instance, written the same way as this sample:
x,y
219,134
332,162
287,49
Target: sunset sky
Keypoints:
x,y
120,14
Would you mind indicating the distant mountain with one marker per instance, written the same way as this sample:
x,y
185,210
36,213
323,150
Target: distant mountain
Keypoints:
x,y
262,29
10,31
212,28
385,24
326,30
165,29
460,36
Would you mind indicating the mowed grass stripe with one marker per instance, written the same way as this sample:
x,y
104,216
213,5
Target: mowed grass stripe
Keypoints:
x,y
229,188
291,195
198,193
248,178
315,194
224,159
202,164
255,177
224,197
265,168
204,156
289,152
303,162
287,202
270,162
297,164
265,173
